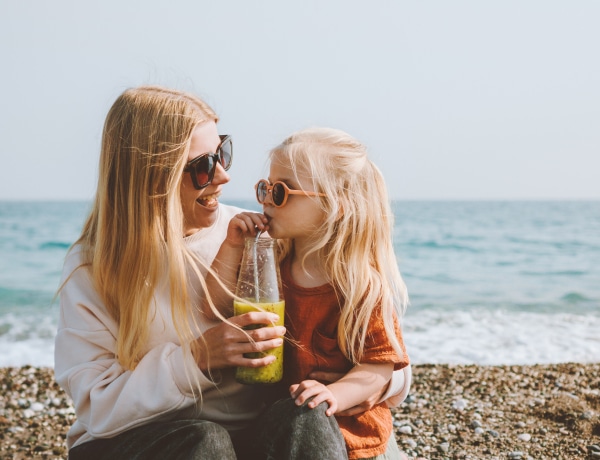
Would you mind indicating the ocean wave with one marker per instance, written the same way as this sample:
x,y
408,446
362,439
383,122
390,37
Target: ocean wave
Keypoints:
x,y
432,244
18,299
49,245
575,298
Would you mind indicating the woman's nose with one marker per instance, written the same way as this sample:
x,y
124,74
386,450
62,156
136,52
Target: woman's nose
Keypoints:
x,y
221,176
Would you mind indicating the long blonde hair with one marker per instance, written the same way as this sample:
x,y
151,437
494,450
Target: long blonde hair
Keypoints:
x,y
355,239
135,228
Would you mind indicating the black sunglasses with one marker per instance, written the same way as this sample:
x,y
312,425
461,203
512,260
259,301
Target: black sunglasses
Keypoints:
x,y
202,168
279,192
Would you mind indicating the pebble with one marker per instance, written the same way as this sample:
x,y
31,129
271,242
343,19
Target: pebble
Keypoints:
x,y
443,447
37,407
460,404
410,442
494,433
406,429
516,454
524,437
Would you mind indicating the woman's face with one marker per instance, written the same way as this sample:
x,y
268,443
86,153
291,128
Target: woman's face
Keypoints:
x,y
200,206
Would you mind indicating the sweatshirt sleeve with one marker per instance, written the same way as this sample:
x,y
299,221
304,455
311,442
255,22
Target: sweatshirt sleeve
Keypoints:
x,y
399,387
109,399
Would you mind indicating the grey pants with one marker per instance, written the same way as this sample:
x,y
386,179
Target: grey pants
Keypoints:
x,y
283,432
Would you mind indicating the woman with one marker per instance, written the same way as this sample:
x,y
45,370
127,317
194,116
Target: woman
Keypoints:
x,y
150,377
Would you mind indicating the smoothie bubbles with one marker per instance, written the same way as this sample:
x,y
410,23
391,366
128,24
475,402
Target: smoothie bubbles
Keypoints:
x,y
259,284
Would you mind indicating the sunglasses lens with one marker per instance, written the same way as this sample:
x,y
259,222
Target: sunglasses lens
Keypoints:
x,y
261,191
278,194
225,154
204,168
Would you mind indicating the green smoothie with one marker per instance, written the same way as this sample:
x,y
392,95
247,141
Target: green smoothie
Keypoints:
x,y
270,373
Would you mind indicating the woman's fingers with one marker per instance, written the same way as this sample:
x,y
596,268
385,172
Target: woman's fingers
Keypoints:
x,y
255,318
225,346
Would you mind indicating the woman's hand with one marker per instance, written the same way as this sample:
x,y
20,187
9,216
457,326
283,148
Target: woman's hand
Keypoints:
x,y
319,393
243,225
224,346
369,403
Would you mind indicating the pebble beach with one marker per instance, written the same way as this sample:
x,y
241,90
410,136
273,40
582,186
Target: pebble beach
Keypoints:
x,y
453,412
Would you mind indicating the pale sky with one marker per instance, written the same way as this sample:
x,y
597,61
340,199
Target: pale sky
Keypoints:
x,y
455,99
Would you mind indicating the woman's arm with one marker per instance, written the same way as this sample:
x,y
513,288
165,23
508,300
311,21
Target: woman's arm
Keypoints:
x,y
351,390
109,399
398,388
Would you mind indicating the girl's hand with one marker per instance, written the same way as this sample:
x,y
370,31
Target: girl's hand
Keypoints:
x,y
369,403
224,346
243,225
319,393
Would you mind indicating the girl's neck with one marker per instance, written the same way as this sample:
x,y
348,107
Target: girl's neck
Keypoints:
x,y
307,272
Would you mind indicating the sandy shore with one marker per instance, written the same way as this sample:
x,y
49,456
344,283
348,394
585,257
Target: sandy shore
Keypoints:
x,y
453,412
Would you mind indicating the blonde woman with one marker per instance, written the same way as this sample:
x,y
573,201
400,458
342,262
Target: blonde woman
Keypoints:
x,y
327,204
149,375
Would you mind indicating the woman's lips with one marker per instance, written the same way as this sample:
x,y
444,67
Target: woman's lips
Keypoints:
x,y
209,201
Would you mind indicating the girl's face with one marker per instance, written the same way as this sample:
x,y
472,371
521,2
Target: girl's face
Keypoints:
x,y
200,206
302,215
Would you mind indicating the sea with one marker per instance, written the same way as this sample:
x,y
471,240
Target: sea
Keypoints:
x,y
490,282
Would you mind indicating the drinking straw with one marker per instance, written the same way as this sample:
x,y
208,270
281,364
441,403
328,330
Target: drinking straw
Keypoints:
x,y
255,257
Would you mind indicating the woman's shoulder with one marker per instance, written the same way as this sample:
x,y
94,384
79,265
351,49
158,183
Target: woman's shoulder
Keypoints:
x,y
73,259
226,211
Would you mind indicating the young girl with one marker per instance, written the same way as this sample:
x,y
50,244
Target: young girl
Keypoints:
x,y
327,204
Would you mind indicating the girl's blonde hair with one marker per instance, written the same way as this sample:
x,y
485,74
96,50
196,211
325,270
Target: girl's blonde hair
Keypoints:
x,y
355,239
135,228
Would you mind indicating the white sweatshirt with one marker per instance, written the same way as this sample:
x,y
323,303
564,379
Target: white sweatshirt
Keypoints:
x,y
109,400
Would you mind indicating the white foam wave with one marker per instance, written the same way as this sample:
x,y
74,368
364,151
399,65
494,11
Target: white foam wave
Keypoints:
x,y
495,338
27,339
431,337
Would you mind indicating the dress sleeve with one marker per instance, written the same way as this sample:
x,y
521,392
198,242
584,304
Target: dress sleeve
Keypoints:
x,y
109,399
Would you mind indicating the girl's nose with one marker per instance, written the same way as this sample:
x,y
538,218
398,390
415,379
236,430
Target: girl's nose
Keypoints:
x,y
268,198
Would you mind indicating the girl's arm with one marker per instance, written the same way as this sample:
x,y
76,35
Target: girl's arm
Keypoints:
x,y
226,264
351,390
394,393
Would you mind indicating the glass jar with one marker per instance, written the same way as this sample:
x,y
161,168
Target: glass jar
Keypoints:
x,y
259,285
